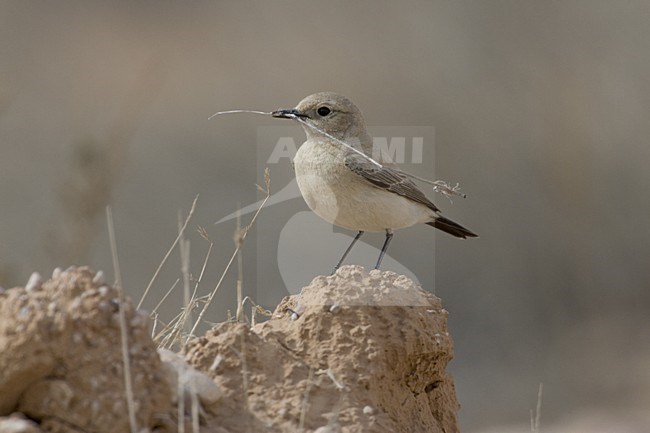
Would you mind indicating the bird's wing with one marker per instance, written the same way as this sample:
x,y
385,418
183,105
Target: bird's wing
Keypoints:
x,y
388,178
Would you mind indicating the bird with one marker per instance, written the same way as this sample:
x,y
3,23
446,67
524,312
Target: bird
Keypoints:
x,y
345,186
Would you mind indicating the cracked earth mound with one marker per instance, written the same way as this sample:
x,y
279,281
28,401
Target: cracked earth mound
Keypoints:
x,y
354,352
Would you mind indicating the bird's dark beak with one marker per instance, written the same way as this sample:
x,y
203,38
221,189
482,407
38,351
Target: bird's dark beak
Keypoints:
x,y
289,113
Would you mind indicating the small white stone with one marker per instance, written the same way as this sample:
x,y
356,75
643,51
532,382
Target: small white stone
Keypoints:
x,y
208,391
99,278
334,308
216,362
17,425
35,282
56,273
367,410
192,380
103,291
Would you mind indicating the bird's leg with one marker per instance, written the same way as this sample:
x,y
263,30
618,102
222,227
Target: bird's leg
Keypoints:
x,y
345,254
389,236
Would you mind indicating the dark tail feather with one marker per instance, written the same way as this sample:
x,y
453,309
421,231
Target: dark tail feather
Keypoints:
x,y
448,226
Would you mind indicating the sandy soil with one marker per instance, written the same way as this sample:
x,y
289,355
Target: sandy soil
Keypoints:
x,y
363,352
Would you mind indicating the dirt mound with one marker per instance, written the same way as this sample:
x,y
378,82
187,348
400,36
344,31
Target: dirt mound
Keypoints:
x,y
366,352
61,359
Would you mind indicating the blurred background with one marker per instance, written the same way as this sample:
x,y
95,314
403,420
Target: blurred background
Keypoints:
x,y
540,111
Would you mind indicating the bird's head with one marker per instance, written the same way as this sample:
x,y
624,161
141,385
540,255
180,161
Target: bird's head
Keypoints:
x,y
329,112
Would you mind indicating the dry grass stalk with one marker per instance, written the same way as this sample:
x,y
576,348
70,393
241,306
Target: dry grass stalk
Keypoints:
x,y
128,386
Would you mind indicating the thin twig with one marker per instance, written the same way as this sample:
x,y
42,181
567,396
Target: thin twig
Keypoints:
x,y
195,407
256,309
165,297
314,127
205,263
244,370
155,275
293,116
218,113
128,386
536,418
180,390
267,180
176,332
305,399
439,186
184,246
169,330
239,315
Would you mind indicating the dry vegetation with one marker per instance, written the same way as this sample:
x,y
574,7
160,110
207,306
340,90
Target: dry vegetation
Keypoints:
x,y
365,352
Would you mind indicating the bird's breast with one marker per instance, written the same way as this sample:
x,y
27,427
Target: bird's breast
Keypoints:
x,y
344,198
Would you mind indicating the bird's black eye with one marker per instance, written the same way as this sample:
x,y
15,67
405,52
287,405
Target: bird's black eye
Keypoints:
x,y
323,111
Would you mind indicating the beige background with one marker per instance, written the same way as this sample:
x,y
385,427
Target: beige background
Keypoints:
x,y
540,111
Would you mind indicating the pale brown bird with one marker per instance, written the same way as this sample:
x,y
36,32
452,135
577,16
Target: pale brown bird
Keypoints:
x,y
351,190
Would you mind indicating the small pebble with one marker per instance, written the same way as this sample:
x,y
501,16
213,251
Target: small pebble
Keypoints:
x,y
216,362
35,282
56,273
99,278
368,410
17,425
